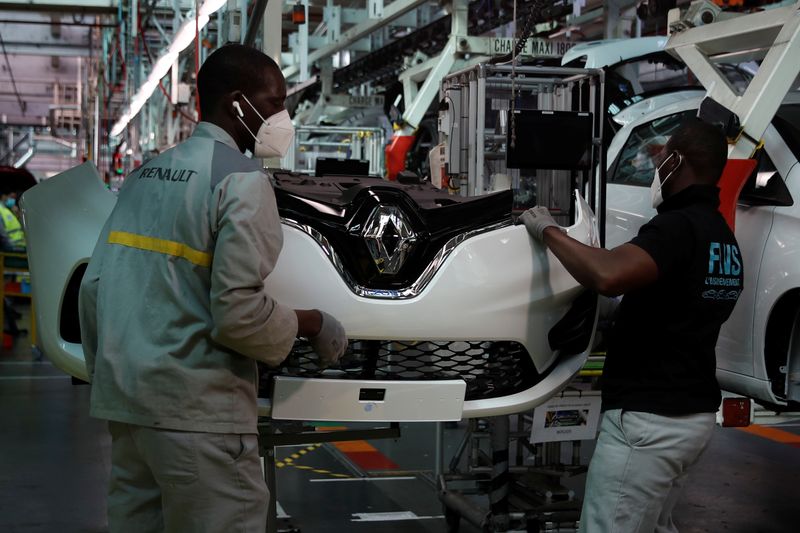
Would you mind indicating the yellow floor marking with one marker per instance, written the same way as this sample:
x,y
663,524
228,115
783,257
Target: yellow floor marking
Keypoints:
x,y
290,461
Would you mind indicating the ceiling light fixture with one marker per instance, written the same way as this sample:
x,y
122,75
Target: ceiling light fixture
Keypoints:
x,y
182,39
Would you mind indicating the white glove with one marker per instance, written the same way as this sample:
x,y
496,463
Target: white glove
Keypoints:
x,y
536,220
331,341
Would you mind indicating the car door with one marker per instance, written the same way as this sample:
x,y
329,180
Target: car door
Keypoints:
x,y
766,201
736,345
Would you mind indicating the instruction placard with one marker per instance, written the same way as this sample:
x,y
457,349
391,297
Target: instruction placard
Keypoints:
x,y
571,416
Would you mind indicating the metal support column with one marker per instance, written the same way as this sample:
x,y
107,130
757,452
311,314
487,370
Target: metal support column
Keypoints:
x,y
474,187
271,479
272,30
302,45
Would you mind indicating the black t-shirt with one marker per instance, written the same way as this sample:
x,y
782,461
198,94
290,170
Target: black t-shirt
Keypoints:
x,y
661,350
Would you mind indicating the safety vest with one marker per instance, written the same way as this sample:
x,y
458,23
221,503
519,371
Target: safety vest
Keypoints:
x,y
13,227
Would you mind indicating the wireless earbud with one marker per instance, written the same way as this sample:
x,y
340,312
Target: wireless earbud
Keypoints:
x,y
238,109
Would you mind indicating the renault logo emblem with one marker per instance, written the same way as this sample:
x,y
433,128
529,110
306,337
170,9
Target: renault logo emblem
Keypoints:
x,y
389,238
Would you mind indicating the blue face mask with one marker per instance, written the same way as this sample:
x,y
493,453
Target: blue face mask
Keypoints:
x,y
11,202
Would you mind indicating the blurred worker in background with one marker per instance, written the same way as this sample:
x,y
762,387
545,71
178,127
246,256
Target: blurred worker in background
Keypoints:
x,y
11,224
681,277
174,313
12,239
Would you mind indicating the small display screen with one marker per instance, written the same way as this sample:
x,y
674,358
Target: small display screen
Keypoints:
x,y
553,140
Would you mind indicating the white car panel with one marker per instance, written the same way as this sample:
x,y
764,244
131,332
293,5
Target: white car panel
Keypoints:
x,y
65,215
497,285
654,104
779,273
628,209
343,400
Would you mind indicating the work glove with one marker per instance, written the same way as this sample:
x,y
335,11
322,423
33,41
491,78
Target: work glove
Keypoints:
x,y
536,220
331,341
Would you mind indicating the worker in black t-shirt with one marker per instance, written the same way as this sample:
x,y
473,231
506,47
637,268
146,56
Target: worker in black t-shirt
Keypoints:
x,y
681,277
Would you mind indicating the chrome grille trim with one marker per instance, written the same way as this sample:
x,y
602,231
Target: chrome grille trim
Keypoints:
x,y
412,291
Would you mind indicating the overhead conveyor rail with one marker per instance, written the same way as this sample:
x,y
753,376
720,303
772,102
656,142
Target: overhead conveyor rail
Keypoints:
x,y
383,66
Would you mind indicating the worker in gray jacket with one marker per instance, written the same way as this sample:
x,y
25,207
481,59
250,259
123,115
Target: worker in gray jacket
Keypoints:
x,y
174,313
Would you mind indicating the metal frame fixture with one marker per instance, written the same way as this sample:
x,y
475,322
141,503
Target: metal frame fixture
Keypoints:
x,y
475,156
313,141
774,37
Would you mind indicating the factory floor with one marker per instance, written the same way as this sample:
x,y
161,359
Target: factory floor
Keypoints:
x,y
54,464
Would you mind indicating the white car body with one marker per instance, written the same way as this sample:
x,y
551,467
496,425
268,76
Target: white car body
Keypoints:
x,y
758,352
491,285
599,54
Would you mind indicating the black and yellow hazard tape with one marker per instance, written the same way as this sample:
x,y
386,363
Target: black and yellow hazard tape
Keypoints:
x,y
290,461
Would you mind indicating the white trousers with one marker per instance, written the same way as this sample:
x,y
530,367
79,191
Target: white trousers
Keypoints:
x,y
184,482
638,469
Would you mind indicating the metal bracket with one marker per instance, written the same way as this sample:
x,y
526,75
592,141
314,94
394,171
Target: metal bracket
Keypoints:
x,y
773,35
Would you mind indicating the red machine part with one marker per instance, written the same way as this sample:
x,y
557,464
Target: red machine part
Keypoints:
x,y
736,412
396,153
734,176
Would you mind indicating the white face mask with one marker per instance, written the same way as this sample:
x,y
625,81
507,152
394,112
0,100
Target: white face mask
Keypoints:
x,y
275,135
655,187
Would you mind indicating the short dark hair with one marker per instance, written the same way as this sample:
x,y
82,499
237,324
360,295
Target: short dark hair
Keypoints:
x,y
703,146
231,67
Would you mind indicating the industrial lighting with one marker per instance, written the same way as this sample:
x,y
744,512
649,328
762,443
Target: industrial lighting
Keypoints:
x,y
182,39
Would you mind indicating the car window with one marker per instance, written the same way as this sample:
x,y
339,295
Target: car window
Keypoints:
x,y
765,186
636,162
738,77
634,80
787,122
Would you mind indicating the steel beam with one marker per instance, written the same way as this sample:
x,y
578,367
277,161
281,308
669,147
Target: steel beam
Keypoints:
x,y
58,22
61,6
391,12
39,49
272,31
440,68
255,21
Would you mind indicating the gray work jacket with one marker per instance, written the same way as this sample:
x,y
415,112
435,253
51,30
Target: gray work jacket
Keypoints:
x,y
173,309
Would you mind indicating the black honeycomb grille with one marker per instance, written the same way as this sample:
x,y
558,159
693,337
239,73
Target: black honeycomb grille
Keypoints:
x,y
490,369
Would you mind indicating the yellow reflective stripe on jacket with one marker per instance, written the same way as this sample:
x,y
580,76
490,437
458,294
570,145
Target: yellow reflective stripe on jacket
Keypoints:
x,y
161,246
